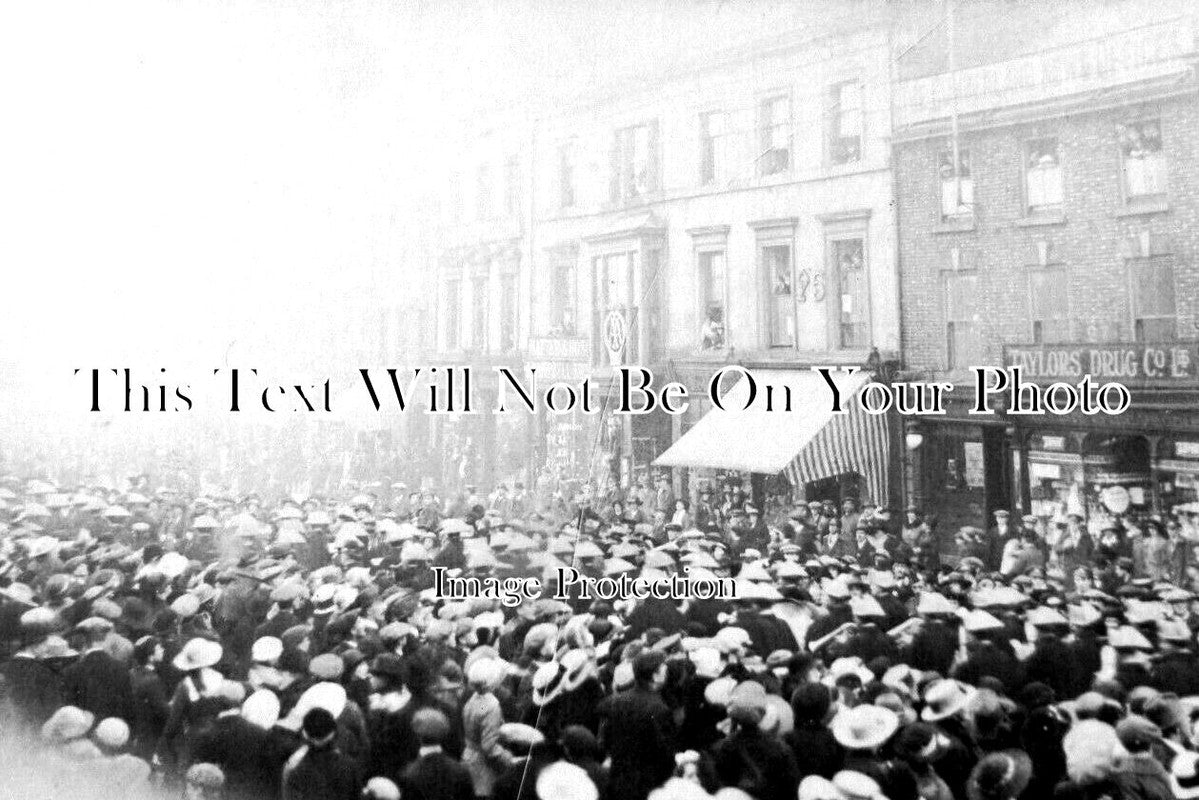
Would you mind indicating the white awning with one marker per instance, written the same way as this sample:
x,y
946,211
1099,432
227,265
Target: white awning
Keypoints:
x,y
805,438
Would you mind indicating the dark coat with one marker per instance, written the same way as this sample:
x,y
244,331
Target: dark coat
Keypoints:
x,y
242,751
321,774
436,776
815,750
989,660
1177,672
637,729
99,683
932,649
35,688
762,766
150,708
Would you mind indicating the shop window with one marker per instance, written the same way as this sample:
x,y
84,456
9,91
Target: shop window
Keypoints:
x,y
710,265
452,307
634,162
844,123
1043,184
1153,298
566,174
852,299
963,331
1049,304
1144,163
780,289
714,147
775,133
508,312
564,298
957,187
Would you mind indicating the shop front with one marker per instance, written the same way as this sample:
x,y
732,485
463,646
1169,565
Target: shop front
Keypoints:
x,y
1142,461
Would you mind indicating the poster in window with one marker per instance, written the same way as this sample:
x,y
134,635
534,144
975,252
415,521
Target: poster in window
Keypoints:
x,y
975,473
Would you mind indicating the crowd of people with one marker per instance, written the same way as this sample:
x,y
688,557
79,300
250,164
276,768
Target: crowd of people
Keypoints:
x,y
247,648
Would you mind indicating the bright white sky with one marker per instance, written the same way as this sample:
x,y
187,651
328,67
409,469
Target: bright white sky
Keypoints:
x,y
185,179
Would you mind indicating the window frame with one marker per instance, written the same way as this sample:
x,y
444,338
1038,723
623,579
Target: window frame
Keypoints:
x,y
761,160
1029,211
957,271
833,236
1059,271
953,219
1157,199
484,192
453,310
1135,317
513,194
832,122
567,173
625,166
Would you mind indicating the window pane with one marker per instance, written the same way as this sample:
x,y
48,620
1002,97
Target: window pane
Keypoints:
x,y
1043,174
1049,306
478,331
849,258
617,291
567,175
777,262
1144,161
711,282
508,313
453,304
957,196
850,102
1153,287
776,136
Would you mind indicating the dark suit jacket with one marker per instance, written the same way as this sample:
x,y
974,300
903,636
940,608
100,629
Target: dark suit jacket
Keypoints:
x,y
436,776
99,683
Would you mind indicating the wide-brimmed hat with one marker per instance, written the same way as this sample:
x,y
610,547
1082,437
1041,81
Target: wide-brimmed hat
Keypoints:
x,y
943,699
864,727
548,682
1184,775
197,654
1000,776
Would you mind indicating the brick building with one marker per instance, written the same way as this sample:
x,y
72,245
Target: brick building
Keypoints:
x,y
1065,242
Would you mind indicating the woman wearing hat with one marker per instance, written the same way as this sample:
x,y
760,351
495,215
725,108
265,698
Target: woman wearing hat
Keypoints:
x,y
481,722
195,702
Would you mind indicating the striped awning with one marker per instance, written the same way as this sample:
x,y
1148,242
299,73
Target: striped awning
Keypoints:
x,y
806,441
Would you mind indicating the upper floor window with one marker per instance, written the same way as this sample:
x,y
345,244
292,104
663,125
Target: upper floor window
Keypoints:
x,y
566,174
508,312
710,264
1144,163
1042,175
483,188
957,186
564,296
512,193
845,123
479,315
452,307
851,296
1049,304
1154,310
775,131
780,291
965,346
714,145
635,166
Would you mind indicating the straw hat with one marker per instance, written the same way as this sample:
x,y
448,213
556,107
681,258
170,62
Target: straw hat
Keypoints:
x,y
943,699
197,654
562,780
864,727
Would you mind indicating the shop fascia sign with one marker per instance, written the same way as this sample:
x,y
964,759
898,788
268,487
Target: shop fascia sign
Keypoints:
x,y
1165,364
